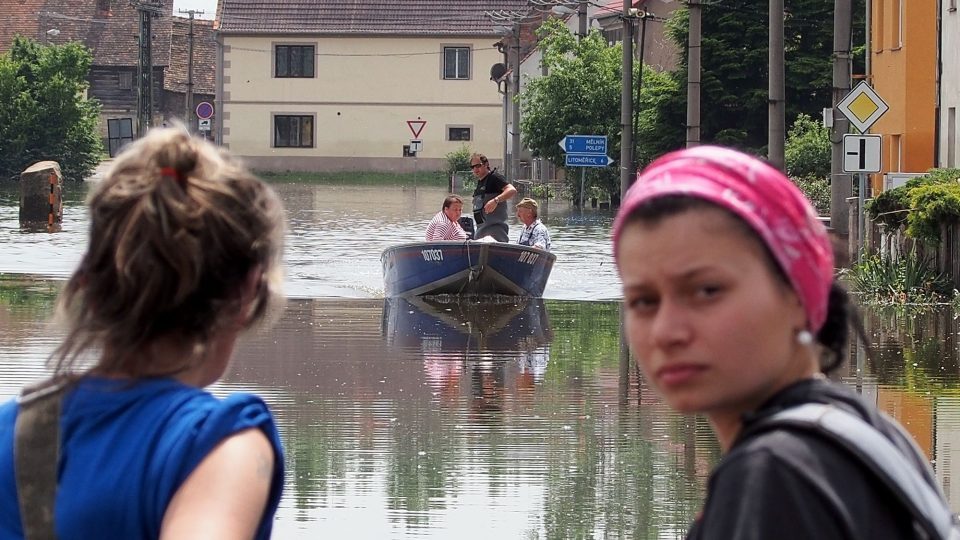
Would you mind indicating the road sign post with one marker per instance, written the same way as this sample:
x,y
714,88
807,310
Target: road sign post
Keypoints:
x,y
416,127
861,153
862,106
204,110
585,151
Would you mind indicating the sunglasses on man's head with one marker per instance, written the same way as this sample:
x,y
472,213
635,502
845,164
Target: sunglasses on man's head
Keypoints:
x,y
475,165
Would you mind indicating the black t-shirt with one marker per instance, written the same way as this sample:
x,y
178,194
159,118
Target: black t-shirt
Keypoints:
x,y
795,484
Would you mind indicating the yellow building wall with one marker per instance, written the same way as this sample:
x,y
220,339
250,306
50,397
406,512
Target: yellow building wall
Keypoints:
x,y
364,91
915,414
903,65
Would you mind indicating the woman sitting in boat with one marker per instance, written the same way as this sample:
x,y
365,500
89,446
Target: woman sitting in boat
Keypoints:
x,y
534,232
446,225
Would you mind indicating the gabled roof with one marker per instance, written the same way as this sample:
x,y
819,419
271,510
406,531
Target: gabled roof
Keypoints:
x,y
364,17
110,28
204,56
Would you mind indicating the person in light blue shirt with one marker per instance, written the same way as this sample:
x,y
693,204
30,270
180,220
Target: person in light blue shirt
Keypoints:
x,y
183,256
534,232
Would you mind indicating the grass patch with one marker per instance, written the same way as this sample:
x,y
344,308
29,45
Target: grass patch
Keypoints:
x,y
370,178
910,280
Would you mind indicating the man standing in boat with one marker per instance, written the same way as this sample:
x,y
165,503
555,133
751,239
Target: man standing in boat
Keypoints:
x,y
490,200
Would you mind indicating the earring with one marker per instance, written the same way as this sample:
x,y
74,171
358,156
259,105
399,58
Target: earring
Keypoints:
x,y
805,338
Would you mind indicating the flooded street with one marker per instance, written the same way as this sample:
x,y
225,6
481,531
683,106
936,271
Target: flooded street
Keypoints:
x,y
502,418
335,238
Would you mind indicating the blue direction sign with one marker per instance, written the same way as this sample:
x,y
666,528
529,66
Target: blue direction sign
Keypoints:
x,y
584,144
587,160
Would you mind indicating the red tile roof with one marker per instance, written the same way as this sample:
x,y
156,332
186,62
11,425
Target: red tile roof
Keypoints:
x,y
381,17
204,56
110,28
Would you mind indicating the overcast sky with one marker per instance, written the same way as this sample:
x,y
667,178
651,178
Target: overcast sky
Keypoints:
x,y
208,7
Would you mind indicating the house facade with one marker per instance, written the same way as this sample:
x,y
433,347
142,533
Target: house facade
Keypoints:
x,y
904,74
948,154
344,86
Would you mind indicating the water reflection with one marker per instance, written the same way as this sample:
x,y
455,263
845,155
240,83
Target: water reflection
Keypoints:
x,y
512,419
474,344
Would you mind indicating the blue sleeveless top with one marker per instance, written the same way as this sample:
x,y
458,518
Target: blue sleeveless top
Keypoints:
x,y
125,450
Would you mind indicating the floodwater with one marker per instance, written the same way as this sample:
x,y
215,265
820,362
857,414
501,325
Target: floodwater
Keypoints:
x,y
501,418
335,238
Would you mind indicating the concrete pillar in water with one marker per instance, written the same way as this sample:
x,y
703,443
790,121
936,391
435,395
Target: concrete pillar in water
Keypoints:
x,y
41,197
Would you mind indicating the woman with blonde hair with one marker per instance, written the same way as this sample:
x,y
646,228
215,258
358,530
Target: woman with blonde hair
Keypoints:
x,y
184,255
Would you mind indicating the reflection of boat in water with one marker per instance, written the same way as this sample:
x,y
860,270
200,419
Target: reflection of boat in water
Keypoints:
x,y
455,323
473,343
458,267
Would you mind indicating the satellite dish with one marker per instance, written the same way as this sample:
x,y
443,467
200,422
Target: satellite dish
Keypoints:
x,y
497,71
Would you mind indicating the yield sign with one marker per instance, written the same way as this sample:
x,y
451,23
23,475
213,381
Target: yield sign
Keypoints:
x,y
416,126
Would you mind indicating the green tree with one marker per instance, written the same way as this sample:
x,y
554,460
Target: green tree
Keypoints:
x,y
580,94
44,112
734,68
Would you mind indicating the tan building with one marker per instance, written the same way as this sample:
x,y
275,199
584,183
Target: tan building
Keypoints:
x,y
333,85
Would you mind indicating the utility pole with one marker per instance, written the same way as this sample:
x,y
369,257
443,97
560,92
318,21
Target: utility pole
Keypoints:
x,y
147,11
636,106
582,18
626,104
515,108
693,75
841,185
776,115
188,99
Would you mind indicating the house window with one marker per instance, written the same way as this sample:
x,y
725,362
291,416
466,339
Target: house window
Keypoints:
x,y
458,133
456,63
294,61
125,80
897,20
292,131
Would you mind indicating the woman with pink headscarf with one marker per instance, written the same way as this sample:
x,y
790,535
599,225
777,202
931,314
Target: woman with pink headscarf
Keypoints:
x,y
732,311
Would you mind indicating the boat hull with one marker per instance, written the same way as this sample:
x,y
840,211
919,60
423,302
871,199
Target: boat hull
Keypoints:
x,y
458,267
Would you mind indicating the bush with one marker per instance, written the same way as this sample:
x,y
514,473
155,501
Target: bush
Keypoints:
x,y
458,160
44,114
930,206
817,190
807,150
922,204
911,279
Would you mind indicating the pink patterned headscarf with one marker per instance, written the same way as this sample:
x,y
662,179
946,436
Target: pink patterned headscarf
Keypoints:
x,y
760,195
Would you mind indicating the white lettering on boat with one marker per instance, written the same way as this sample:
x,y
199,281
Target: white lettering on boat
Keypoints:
x,y
529,258
432,255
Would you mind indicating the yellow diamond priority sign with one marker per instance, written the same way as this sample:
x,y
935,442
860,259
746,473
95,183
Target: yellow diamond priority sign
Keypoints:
x,y
862,106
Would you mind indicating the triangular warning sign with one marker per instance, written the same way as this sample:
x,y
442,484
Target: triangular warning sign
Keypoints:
x,y
416,126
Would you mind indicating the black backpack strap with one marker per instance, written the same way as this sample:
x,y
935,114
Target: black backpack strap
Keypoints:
x,y
36,454
923,498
